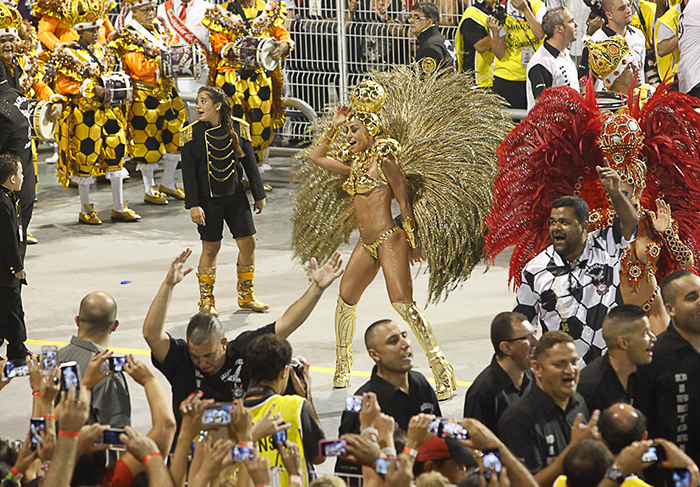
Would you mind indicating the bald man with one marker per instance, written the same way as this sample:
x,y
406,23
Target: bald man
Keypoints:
x,y
609,379
401,392
96,321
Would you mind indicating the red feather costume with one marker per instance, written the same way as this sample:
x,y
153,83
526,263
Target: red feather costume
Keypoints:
x,y
554,152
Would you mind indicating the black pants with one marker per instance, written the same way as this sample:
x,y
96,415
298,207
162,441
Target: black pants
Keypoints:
x,y
12,327
512,91
695,91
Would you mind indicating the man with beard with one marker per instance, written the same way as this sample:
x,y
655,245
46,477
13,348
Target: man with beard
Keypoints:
x,y
573,283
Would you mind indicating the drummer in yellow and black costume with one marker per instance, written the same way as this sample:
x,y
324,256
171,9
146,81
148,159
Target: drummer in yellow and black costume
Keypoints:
x,y
255,93
157,113
92,135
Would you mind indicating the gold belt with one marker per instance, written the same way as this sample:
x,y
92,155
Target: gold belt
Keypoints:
x,y
372,248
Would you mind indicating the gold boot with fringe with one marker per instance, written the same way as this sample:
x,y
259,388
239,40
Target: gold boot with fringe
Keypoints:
x,y
246,297
445,383
207,278
345,322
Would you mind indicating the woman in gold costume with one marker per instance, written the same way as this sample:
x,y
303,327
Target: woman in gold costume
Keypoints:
x,y
441,189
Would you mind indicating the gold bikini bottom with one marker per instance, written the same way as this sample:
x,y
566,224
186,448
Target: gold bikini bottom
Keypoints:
x,y
374,246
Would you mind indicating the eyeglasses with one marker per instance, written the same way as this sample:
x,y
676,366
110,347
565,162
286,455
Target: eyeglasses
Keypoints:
x,y
416,18
529,337
146,10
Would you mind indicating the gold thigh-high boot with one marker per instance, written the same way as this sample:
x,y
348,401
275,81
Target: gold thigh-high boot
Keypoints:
x,y
207,278
442,370
246,298
344,332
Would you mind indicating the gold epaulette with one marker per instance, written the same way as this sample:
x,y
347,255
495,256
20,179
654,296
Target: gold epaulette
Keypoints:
x,y
245,128
186,134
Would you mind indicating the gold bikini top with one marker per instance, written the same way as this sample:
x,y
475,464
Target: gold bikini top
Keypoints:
x,y
359,181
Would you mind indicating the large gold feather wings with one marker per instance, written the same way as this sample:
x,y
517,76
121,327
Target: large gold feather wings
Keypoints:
x,y
449,131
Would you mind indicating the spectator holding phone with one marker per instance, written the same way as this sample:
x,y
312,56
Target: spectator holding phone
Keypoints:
x,y
268,358
96,321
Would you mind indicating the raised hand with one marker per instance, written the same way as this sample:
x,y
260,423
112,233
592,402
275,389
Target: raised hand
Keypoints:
x,y
177,270
662,219
329,272
609,178
341,115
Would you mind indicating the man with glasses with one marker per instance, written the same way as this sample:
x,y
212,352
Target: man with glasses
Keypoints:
x,y
509,375
609,379
572,284
157,114
542,427
434,51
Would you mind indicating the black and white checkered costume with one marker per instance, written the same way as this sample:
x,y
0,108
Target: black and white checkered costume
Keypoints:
x,y
575,297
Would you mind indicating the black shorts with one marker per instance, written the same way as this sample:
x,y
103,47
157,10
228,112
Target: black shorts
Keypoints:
x,y
234,210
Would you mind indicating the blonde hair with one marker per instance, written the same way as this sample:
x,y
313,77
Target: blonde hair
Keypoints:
x,y
432,479
328,481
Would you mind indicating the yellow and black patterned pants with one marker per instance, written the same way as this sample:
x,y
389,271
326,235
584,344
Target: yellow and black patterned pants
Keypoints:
x,y
251,97
154,124
91,141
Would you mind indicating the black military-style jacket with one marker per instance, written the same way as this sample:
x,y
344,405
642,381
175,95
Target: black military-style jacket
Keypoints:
x,y
10,256
215,169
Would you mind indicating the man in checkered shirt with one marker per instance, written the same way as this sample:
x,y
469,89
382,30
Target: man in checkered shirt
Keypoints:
x,y
571,285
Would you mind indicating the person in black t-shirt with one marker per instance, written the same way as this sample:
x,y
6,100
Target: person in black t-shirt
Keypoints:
x,y
546,423
609,379
206,361
401,392
509,376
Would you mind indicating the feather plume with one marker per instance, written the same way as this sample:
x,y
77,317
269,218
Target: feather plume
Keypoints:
x,y
449,131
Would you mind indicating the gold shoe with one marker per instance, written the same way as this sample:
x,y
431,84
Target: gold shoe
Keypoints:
x,y
31,239
207,278
177,193
156,199
246,298
127,215
90,216
445,382
345,321
267,187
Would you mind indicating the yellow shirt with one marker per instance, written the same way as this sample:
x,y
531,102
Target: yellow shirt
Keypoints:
x,y
649,13
520,40
668,65
483,63
290,407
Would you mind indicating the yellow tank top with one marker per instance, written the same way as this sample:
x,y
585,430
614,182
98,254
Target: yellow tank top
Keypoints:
x,y
290,407
668,65
648,12
483,69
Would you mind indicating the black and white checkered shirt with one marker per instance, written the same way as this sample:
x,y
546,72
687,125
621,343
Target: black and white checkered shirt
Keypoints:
x,y
575,297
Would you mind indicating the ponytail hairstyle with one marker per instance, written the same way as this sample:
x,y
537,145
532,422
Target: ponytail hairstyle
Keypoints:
x,y
217,95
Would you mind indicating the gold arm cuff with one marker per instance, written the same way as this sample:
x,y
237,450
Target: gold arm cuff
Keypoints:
x,y
409,228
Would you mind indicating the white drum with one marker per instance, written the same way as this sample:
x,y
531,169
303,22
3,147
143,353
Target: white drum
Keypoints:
x,y
181,62
257,52
42,128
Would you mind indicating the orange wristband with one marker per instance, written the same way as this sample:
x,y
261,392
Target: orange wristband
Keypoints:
x,y
36,393
149,456
50,417
68,434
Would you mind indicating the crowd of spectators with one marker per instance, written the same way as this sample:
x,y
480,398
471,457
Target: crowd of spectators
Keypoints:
x,y
243,415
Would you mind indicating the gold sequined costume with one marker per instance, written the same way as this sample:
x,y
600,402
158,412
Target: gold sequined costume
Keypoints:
x,y
254,92
443,132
